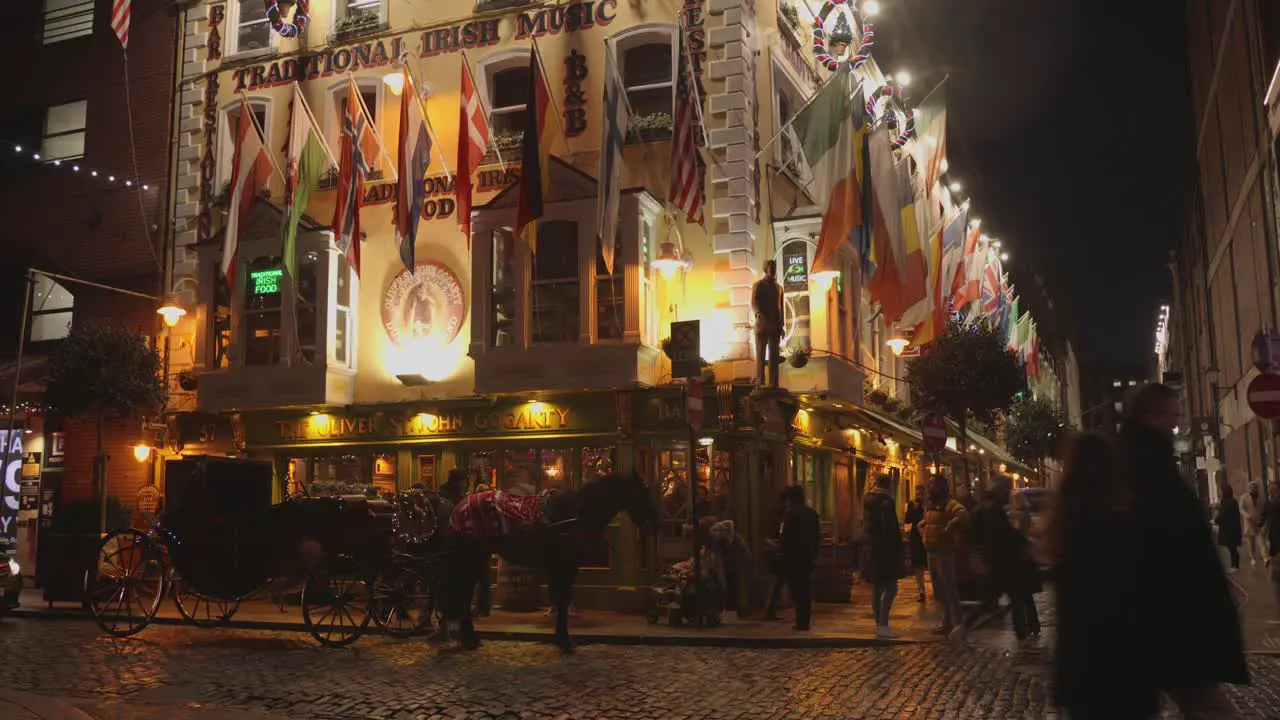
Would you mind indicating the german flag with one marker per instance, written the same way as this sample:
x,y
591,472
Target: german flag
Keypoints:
x,y
540,128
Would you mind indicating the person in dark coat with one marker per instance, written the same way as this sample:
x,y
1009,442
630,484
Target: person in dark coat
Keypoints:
x,y
915,514
1230,530
884,565
1007,552
773,554
799,541
1191,627
1101,667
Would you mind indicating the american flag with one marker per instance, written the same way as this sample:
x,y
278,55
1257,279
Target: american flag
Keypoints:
x,y
688,172
120,20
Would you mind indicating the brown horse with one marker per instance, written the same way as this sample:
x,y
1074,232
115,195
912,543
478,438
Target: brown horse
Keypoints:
x,y
553,543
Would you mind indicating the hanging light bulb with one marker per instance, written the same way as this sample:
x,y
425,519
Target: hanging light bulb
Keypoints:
x,y
669,260
897,343
171,311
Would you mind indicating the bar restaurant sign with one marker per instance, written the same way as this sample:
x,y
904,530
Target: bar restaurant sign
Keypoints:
x,y
527,417
543,22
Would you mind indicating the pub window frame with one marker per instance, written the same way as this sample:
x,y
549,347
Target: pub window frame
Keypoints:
x,y
505,118
632,40
234,25
371,88
569,283
72,19
41,313
228,118
264,310
76,127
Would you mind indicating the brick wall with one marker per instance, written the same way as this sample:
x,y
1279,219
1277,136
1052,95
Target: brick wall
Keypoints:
x,y
125,475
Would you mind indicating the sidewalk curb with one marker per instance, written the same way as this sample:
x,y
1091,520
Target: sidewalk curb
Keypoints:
x,y
44,707
747,643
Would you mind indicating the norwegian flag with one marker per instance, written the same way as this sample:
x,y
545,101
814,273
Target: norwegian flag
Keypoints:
x,y
120,20
353,166
688,171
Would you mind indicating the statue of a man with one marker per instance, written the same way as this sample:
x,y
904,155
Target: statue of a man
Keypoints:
x,y
766,303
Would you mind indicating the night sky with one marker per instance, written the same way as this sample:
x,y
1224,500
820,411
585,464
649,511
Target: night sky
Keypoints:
x,y
1069,127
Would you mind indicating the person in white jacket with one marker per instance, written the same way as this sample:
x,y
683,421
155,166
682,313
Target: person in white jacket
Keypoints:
x,y
1251,507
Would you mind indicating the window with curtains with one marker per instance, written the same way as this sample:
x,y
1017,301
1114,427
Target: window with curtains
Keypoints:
x,y
555,286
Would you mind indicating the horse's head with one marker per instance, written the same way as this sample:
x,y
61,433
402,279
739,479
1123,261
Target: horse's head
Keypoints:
x,y
638,502
619,492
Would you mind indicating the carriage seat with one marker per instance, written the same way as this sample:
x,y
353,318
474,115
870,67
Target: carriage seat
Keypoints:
x,y
495,513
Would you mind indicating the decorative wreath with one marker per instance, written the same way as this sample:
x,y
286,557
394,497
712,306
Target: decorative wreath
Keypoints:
x,y
820,52
908,129
301,14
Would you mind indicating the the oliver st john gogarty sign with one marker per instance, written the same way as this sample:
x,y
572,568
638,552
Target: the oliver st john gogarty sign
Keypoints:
x,y
399,425
571,17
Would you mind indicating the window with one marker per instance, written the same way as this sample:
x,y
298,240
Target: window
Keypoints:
x,y
646,71
713,483
66,20
370,93
502,291
344,313
250,29
648,293
308,305
555,283
838,316
356,8
263,313
64,131
788,99
51,310
221,319
508,94
230,127
611,305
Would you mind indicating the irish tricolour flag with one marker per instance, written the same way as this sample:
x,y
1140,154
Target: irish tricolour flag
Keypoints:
x,y
830,130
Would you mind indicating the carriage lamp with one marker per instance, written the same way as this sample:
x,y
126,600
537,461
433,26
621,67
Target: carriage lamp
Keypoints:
x,y
897,343
141,453
171,311
669,260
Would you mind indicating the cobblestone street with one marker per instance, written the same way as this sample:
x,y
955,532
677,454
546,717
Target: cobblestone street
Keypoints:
x,y
175,672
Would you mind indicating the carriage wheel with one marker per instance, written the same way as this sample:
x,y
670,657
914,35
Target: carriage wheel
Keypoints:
x,y
124,587
403,602
336,603
201,610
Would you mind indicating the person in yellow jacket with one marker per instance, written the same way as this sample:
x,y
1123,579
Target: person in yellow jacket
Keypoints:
x,y
944,519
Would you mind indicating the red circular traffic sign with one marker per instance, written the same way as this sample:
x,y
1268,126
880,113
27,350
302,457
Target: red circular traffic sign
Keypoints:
x,y
934,430
1264,396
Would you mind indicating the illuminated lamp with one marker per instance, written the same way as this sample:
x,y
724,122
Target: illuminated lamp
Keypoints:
x,y
394,81
669,260
171,311
413,379
824,279
870,8
141,453
897,343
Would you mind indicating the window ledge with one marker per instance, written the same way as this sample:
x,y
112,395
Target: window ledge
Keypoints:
x,y
339,37
258,54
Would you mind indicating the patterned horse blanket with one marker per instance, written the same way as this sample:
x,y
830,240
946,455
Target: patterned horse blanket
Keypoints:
x,y
495,513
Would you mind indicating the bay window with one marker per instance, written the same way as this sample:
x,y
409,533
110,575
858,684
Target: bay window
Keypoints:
x,y
502,290
263,313
555,283
342,281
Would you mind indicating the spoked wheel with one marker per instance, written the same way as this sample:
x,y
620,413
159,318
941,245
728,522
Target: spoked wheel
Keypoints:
x,y
403,602
336,603
124,587
201,610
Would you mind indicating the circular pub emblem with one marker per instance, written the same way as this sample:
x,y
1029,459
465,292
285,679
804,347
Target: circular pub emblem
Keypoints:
x,y
424,306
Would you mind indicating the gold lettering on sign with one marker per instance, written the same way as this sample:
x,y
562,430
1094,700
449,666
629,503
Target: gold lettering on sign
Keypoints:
x,y
529,417
670,410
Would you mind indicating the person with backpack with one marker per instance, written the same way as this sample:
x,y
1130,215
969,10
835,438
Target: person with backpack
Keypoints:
x,y
944,519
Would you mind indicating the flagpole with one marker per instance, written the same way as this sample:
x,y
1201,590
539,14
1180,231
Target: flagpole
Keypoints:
x,y
245,108
488,118
368,118
796,114
412,84
537,56
299,97
693,83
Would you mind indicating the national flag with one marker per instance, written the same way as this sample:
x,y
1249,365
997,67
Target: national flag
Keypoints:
x,y
250,170
968,286
412,158
688,170
617,115
352,168
830,130
946,246
1011,325
473,143
931,134
306,161
991,285
540,128
896,239
120,12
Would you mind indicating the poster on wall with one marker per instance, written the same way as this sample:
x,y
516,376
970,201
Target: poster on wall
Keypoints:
x,y
55,445
11,490
29,488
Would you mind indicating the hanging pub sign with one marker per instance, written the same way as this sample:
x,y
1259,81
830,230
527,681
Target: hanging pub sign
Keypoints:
x,y
425,307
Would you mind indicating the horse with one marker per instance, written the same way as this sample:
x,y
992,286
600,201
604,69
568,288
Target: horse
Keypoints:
x,y
552,543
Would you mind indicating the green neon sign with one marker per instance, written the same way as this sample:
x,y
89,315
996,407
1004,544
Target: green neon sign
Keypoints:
x,y
266,282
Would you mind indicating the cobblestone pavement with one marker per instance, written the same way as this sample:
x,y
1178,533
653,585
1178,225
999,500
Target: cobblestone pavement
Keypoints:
x,y
175,672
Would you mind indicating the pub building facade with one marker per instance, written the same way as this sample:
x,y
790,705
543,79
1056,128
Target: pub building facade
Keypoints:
x,y
532,371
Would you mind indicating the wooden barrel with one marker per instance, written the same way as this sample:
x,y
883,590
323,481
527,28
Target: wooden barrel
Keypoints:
x,y
518,588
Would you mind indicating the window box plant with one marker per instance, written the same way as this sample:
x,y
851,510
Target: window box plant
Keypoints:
x,y
653,127
356,25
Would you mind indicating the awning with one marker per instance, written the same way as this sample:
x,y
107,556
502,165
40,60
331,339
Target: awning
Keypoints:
x,y
887,424
982,442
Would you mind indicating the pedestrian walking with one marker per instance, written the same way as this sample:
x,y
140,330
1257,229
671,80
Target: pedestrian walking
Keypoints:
x,y
944,519
884,566
914,516
1252,506
799,540
1007,551
1101,668
1229,525
1191,627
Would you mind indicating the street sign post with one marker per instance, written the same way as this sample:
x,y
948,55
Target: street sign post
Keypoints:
x,y
686,349
1264,396
934,430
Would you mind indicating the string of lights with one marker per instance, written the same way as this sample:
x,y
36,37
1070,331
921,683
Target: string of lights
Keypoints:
x,y
76,165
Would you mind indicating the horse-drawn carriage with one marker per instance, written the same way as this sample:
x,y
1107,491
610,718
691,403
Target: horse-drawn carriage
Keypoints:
x,y
220,540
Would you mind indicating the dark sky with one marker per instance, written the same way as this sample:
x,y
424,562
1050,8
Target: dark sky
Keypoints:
x,y
1069,127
